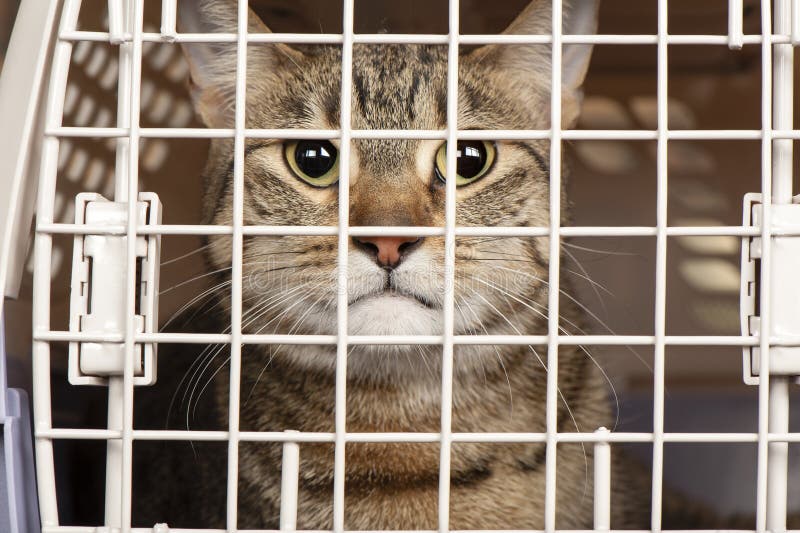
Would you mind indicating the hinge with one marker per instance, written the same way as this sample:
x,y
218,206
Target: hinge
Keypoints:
x,y
97,303
785,296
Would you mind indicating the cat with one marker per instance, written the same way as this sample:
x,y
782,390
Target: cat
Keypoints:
x,y
395,284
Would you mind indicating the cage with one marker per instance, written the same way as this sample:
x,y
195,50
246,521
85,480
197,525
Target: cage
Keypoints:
x,y
679,253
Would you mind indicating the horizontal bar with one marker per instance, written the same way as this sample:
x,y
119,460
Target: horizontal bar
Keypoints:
x,y
403,437
400,38
467,340
94,529
499,135
419,231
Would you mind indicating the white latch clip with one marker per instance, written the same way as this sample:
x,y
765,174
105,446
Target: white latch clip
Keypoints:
x,y
784,299
97,303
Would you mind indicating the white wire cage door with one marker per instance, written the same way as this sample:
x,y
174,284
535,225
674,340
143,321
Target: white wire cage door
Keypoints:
x,y
133,228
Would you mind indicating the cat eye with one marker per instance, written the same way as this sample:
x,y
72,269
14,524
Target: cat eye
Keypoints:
x,y
473,160
315,162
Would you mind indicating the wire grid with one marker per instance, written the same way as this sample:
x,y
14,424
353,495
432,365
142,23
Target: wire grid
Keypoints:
x,y
120,433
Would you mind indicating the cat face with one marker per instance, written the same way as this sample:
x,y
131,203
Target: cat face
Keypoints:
x,y
395,284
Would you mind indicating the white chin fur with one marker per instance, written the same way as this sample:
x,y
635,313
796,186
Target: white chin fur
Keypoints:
x,y
387,314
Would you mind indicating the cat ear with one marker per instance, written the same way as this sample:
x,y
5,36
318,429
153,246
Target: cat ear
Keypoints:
x,y
212,66
579,17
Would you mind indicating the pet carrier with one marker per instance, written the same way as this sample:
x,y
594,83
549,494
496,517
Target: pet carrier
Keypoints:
x,y
99,135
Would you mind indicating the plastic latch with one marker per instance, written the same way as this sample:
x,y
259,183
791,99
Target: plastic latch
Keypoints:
x,y
97,303
784,264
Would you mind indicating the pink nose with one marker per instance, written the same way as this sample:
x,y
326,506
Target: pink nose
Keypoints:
x,y
388,251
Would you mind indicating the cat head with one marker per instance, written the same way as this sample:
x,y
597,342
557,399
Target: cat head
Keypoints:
x,y
395,283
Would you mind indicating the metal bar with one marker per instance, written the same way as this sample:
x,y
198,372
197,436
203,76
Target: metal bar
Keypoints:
x,y
401,437
500,135
735,24
572,340
43,249
168,19
116,22
343,245
449,268
86,529
766,247
661,269
135,20
795,22
782,170
554,272
399,38
422,231
290,473
602,482
234,390
114,450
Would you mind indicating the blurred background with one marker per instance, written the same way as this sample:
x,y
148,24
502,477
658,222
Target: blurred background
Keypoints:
x,y
613,183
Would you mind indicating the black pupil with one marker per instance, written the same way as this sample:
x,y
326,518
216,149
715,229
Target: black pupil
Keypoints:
x,y
471,158
315,158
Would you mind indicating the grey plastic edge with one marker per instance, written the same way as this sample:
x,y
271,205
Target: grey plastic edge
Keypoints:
x,y
19,510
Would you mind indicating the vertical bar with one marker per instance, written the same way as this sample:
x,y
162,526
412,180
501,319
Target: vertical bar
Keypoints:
x,y
446,425
290,472
115,21
661,268
135,21
340,414
766,249
554,279
114,448
735,24
168,16
782,118
43,249
234,391
783,107
123,114
795,22
778,455
602,483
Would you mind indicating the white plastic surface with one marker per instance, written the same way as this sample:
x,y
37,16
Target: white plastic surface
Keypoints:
x,y
97,303
784,266
21,87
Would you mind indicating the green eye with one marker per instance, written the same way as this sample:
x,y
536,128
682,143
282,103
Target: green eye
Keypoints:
x,y
473,160
315,162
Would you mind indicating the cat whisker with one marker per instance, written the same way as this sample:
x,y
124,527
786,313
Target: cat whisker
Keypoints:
x,y
193,279
203,295
206,354
593,284
581,306
564,330
249,321
272,354
541,362
499,360
188,254
264,369
473,332
219,369
596,251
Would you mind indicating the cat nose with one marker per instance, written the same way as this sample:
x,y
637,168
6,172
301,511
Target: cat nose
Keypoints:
x,y
387,251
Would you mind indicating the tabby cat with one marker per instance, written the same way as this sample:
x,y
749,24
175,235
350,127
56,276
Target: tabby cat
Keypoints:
x,y
396,286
